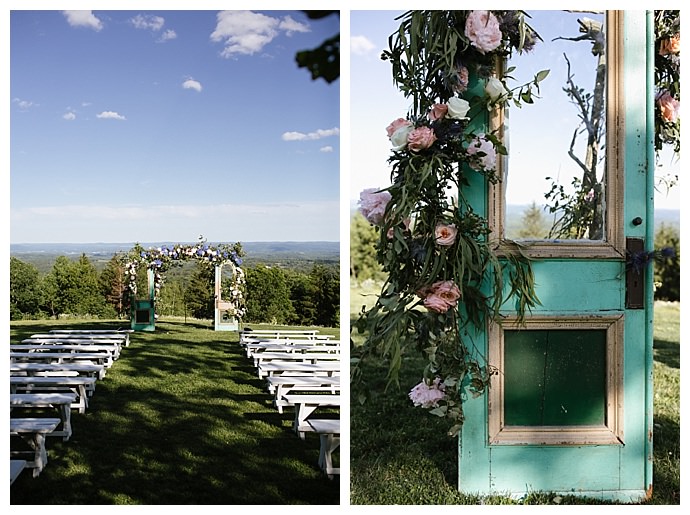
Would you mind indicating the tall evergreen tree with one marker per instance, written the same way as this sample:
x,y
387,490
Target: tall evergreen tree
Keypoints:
x,y
113,285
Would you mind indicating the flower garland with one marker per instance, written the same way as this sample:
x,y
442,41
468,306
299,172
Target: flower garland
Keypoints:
x,y
667,80
161,259
444,276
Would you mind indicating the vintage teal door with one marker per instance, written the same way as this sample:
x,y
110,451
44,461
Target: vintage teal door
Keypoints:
x,y
570,408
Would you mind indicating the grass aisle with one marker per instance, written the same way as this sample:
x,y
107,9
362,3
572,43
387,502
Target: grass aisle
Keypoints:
x,y
181,418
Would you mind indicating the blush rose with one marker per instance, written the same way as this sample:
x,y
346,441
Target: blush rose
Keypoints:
x,y
445,234
669,107
483,31
420,138
483,145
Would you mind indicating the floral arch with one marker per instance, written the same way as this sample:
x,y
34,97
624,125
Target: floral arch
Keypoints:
x,y
157,260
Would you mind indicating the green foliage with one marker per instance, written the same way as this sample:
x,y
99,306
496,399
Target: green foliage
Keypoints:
x,y
363,239
326,283
323,61
72,288
268,296
114,286
25,290
443,276
667,269
199,292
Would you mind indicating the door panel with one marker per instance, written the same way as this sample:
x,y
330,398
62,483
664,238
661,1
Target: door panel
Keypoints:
x,y
570,407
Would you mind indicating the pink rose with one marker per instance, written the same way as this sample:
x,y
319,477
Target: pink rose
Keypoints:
x,y
396,124
448,291
483,145
483,31
670,45
445,234
372,204
669,107
428,395
441,296
436,303
438,111
420,138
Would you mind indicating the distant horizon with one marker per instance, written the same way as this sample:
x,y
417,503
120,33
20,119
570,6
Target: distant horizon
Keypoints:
x,y
169,242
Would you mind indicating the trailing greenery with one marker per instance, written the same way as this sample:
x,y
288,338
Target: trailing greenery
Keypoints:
x,y
443,275
180,419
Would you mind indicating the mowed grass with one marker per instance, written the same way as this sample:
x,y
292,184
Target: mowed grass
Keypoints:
x,y
180,418
400,454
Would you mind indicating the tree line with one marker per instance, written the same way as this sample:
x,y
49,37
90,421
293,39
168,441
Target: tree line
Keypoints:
x,y
75,287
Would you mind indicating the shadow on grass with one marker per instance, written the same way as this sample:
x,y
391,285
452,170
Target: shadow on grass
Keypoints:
x,y
179,420
667,353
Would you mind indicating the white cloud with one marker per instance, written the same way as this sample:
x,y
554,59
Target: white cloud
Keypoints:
x,y
167,36
83,19
110,115
192,84
24,104
289,26
69,116
247,32
361,45
327,148
317,134
147,22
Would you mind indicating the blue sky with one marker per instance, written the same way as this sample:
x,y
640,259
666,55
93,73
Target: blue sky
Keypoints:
x,y
375,102
139,126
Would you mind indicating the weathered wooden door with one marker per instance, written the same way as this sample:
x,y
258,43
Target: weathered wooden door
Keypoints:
x,y
570,408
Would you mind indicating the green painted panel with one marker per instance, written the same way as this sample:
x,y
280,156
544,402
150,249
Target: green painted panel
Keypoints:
x,y
555,377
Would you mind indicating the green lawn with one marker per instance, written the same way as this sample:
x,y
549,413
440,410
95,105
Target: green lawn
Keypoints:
x,y
181,418
400,454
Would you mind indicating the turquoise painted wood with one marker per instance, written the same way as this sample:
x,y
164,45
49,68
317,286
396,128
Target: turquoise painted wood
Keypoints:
x,y
587,287
143,316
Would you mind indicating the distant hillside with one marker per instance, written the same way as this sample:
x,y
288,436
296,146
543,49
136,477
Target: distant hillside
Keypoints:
x,y
299,255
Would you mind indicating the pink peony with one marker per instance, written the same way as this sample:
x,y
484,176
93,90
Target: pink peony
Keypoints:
x,y
420,139
441,296
483,145
372,204
438,111
483,31
670,45
669,107
396,124
445,234
428,395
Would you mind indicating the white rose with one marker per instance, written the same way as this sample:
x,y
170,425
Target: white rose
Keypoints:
x,y
495,89
399,137
458,108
